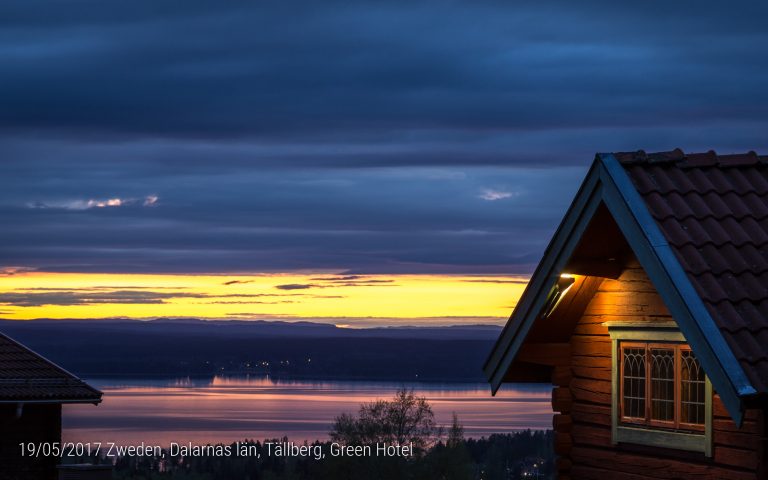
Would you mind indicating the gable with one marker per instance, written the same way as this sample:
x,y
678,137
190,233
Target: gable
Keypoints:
x,y
608,188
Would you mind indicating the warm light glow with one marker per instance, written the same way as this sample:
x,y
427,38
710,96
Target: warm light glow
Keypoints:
x,y
348,300
561,289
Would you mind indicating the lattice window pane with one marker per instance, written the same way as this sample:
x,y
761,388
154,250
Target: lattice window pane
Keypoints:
x,y
634,382
692,381
663,384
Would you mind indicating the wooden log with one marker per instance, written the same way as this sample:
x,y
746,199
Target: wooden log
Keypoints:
x,y
561,399
742,440
591,473
599,436
594,373
588,413
627,285
594,348
592,391
561,375
562,423
597,386
727,425
590,319
583,328
718,410
653,466
563,443
587,361
735,457
627,303
599,319
563,464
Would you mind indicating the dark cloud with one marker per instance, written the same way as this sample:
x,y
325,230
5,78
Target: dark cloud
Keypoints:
x,y
49,296
492,280
250,302
339,278
297,286
237,282
354,281
366,282
393,137
72,297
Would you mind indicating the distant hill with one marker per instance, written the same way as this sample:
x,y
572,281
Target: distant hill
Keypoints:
x,y
188,346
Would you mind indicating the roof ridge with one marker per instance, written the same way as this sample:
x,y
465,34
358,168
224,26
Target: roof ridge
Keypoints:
x,y
677,156
710,215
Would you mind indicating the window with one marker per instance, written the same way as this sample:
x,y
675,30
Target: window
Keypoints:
x,y
660,394
662,385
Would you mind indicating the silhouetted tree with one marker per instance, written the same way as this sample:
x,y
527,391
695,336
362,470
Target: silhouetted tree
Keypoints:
x,y
404,419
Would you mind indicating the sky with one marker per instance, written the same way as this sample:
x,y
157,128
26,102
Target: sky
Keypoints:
x,y
412,143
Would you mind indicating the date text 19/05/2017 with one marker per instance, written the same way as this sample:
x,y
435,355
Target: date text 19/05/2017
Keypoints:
x,y
237,449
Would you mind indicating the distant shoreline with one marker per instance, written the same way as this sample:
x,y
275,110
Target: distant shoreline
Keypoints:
x,y
204,349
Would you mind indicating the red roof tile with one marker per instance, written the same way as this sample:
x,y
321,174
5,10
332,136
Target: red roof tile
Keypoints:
x,y
26,376
713,210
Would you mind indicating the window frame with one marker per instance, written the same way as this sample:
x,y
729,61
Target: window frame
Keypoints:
x,y
676,434
676,423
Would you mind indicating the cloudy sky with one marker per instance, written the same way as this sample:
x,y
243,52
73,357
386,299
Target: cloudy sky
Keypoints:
x,y
371,138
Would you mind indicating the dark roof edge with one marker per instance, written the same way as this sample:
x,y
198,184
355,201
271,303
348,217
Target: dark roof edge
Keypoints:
x,y
547,271
93,401
97,393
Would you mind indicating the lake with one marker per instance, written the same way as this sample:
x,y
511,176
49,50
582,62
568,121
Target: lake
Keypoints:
x,y
226,409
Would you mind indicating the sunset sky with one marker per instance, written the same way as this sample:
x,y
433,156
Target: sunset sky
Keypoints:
x,y
344,300
153,152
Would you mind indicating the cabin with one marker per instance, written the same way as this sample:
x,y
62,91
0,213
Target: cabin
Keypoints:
x,y
648,314
32,392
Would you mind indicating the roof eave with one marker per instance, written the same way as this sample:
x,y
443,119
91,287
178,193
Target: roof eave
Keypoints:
x,y
557,253
94,400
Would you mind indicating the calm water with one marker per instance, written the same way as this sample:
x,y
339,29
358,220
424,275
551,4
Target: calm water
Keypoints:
x,y
229,409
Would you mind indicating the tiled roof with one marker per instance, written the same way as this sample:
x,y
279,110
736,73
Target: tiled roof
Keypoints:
x,y
26,376
713,210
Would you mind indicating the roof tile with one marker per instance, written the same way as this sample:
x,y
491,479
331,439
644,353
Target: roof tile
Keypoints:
x,y
755,205
701,159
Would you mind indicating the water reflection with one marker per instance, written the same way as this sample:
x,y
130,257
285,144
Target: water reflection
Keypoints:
x,y
225,409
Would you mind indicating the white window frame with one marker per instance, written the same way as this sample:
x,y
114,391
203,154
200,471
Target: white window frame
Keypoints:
x,y
655,332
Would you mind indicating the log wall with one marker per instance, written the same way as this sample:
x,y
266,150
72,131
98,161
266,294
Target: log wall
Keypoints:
x,y
582,398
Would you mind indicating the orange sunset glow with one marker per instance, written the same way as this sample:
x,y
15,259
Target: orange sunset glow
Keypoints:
x,y
345,300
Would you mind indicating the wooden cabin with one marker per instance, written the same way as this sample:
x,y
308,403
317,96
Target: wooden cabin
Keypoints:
x,y
649,316
32,392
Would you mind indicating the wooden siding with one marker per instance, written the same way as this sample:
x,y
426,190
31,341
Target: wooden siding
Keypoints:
x,y
583,399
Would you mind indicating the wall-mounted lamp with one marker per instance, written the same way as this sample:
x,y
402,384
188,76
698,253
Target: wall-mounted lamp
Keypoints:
x,y
559,289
